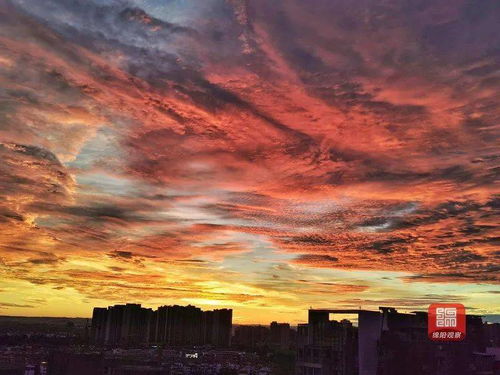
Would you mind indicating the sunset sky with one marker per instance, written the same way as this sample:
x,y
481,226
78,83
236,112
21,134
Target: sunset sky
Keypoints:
x,y
265,156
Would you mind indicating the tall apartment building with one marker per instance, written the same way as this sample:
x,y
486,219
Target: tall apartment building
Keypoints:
x,y
132,324
326,347
121,324
179,325
99,322
217,326
251,337
404,348
280,335
388,342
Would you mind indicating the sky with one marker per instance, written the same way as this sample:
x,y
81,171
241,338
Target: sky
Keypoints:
x,y
265,156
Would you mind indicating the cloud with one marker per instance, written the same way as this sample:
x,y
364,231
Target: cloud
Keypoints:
x,y
121,254
46,259
271,137
317,258
6,305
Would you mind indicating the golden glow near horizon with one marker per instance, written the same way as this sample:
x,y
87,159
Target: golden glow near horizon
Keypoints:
x,y
277,157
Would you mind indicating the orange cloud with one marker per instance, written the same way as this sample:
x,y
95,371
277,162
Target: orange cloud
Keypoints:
x,y
220,160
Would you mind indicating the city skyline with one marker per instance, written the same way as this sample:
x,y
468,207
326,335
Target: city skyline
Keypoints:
x,y
259,156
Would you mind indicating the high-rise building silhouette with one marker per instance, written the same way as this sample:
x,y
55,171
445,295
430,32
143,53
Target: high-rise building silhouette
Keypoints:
x,y
217,326
251,337
326,347
179,325
128,324
403,339
98,328
132,324
390,343
280,335
135,325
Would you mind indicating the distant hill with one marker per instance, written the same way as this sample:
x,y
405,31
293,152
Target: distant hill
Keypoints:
x,y
23,324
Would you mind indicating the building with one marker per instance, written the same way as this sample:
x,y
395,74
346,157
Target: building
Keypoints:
x,y
179,325
147,360
64,363
326,347
391,343
135,325
217,327
403,340
132,325
114,320
189,325
280,335
121,325
492,332
98,328
251,337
